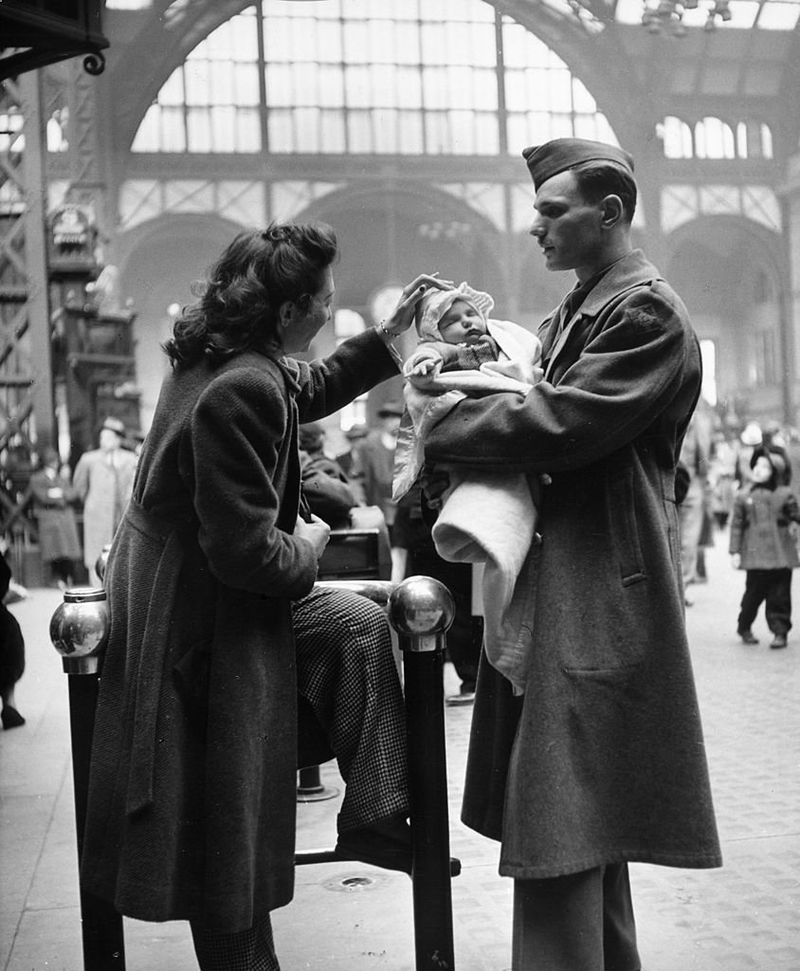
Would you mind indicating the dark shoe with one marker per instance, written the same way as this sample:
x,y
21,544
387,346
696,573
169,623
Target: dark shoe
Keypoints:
x,y
385,843
779,640
748,636
11,718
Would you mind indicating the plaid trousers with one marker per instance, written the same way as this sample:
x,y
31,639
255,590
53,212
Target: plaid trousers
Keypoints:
x,y
347,675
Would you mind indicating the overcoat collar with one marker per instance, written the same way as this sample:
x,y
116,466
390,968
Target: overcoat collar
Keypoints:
x,y
630,271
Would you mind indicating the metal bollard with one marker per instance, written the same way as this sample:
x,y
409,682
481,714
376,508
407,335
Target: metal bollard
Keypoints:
x,y
421,610
78,630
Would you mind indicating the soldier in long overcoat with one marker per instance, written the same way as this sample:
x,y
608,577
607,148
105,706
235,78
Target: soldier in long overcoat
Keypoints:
x,y
192,799
602,761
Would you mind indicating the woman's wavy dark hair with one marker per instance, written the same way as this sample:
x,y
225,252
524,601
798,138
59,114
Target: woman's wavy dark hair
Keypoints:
x,y
238,307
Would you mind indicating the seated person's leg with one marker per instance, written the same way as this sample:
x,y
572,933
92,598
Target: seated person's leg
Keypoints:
x,y
346,673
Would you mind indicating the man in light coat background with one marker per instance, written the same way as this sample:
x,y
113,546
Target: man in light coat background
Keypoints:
x,y
601,762
103,480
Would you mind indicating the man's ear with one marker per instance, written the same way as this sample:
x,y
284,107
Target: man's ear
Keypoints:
x,y
612,210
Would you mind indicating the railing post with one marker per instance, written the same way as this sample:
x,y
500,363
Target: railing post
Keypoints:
x,y
421,610
78,630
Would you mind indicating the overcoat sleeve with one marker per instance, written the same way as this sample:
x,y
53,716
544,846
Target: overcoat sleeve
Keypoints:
x,y
328,384
632,365
236,435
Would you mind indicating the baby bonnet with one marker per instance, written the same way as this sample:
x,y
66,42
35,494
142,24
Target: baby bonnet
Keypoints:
x,y
435,304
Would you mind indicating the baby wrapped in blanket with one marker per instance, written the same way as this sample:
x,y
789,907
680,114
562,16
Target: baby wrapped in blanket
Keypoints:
x,y
487,517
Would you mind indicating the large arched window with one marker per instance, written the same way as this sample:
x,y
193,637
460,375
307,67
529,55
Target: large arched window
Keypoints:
x,y
401,77
713,139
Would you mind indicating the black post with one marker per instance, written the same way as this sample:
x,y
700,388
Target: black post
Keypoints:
x,y
101,925
421,610
78,630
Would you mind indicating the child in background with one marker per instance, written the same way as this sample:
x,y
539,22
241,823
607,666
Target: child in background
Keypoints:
x,y
488,517
761,543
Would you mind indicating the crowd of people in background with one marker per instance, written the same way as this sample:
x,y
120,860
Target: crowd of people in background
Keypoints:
x,y
723,475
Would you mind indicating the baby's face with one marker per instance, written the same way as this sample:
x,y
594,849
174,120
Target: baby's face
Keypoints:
x,y
462,324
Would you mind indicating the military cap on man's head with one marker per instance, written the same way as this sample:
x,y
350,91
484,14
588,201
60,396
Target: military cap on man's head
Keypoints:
x,y
560,154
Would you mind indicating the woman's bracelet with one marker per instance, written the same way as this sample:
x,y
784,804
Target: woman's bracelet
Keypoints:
x,y
382,326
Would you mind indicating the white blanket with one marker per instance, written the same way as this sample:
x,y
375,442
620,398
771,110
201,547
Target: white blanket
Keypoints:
x,y
486,518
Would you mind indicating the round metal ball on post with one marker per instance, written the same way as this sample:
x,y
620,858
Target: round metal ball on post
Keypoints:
x,y
79,630
421,610
102,562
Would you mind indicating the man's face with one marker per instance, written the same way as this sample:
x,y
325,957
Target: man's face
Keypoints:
x,y
566,226
109,440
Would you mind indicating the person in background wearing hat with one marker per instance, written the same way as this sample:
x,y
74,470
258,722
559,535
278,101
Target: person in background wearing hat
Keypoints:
x,y
749,440
373,461
761,543
326,488
345,459
601,762
103,481
53,499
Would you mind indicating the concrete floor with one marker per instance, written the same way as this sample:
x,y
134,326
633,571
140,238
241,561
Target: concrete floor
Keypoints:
x,y
742,917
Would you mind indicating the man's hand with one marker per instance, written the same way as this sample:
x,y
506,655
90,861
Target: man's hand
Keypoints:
x,y
435,482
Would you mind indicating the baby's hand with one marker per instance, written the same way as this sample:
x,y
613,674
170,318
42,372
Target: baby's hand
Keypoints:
x,y
425,361
426,366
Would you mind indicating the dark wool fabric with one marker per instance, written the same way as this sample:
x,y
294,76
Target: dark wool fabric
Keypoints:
x,y
192,801
603,759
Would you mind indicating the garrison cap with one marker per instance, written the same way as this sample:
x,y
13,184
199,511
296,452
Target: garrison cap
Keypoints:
x,y
560,154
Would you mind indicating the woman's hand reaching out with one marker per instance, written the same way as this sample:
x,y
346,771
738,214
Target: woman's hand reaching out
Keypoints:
x,y
402,316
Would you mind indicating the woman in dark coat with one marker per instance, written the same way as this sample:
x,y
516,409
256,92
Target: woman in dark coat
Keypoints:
x,y
192,794
53,499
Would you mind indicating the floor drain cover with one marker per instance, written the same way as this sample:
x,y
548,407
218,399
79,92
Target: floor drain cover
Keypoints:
x,y
351,884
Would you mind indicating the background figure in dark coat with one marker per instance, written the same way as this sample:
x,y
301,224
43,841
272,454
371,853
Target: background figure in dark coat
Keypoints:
x,y
12,650
373,461
325,486
346,459
53,500
601,761
762,544
192,806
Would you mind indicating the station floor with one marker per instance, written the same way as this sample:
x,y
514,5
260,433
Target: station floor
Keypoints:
x,y
744,916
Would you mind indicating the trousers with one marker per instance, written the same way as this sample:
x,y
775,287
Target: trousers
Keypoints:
x,y
774,589
580,922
